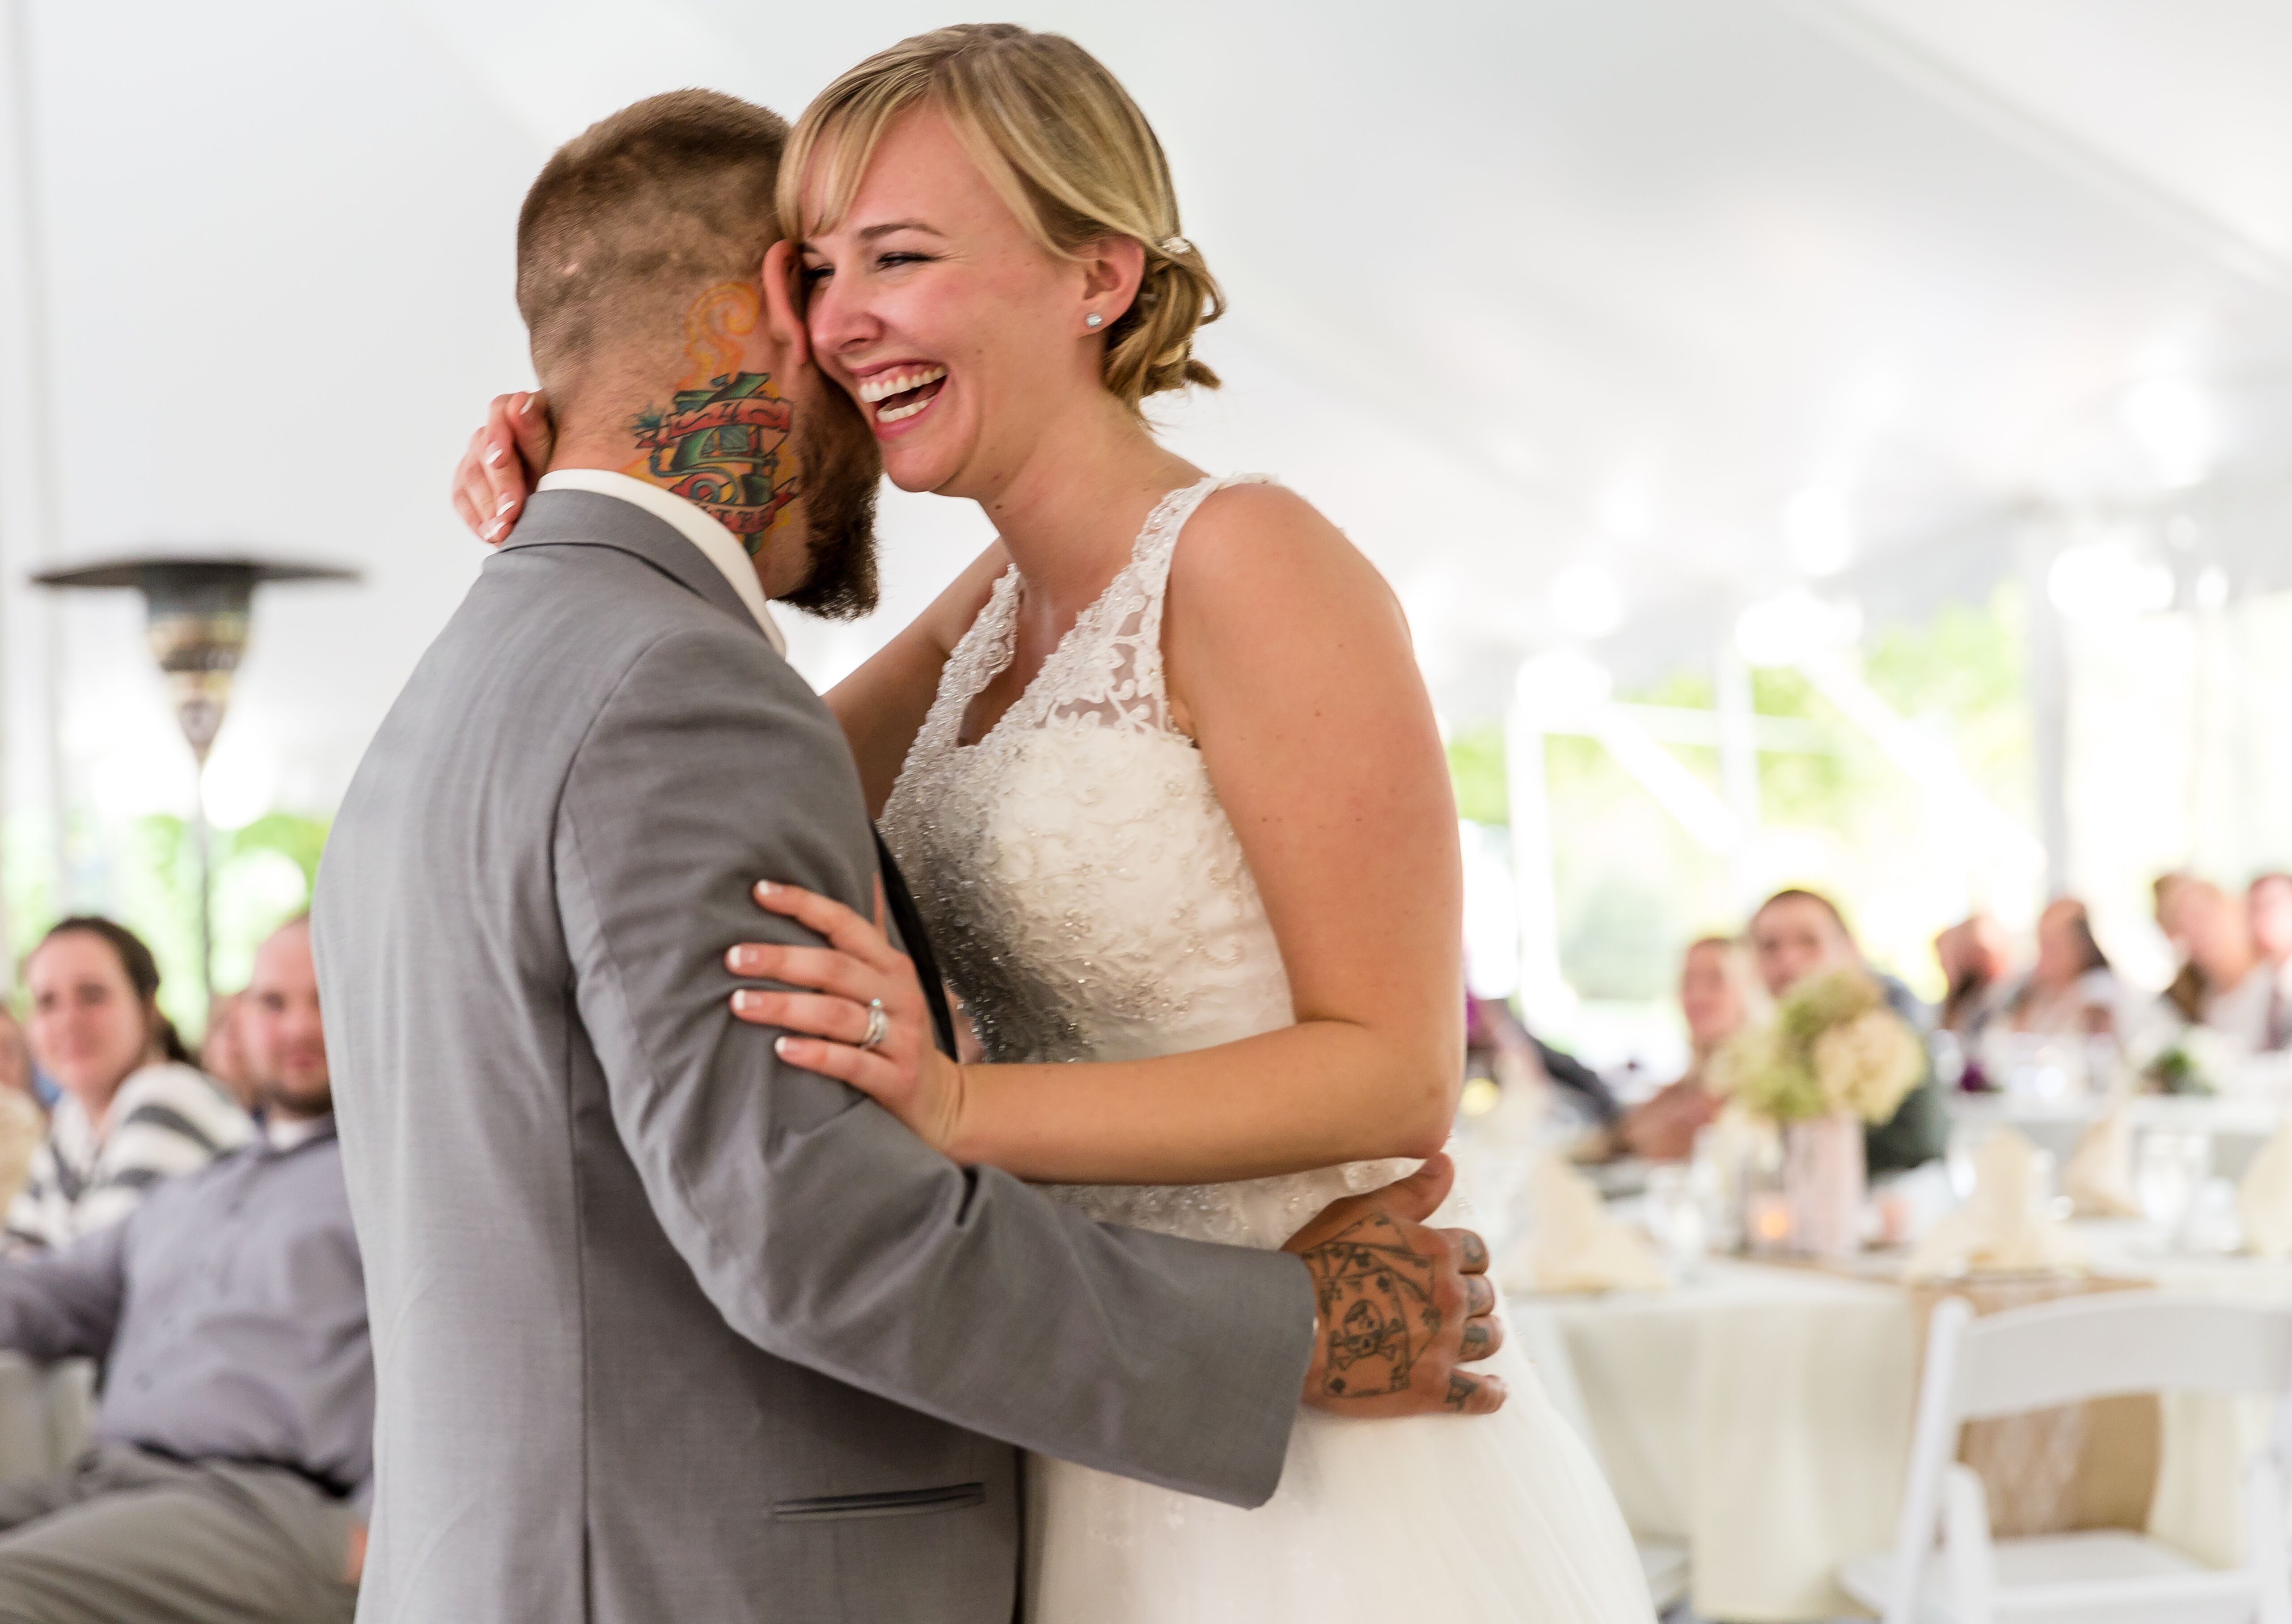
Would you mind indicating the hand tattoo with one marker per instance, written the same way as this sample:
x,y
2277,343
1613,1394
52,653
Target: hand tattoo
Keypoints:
x,y
1460,1391
1375,1298
1476,1342
1475,1251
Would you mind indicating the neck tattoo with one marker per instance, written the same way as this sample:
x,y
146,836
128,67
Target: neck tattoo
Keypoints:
x,y
719,442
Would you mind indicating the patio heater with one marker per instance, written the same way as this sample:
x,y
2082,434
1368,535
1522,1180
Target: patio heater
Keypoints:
x,y
195,622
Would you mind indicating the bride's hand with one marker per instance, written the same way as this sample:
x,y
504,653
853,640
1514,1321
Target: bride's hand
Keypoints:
x,y
826,1023
505,459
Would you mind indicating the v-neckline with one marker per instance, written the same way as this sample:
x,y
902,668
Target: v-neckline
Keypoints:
x,y
1011,629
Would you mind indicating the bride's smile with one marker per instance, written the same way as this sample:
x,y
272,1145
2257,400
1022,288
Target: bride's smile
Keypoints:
x,y
975,352
899,392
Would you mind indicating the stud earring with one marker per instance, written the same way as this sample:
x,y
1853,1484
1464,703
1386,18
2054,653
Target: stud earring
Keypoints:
x,y
1093,319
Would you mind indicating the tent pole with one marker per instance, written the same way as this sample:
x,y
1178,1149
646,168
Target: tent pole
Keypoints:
x,y
2049,703
37,472
1543,992
1738,767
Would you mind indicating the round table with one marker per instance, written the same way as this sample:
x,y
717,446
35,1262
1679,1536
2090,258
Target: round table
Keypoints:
x,y
1761,1414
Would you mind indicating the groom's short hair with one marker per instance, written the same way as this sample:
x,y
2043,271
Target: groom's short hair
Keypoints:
x,y
632,217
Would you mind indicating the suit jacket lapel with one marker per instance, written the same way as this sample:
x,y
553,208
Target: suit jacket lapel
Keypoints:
x,y
908,920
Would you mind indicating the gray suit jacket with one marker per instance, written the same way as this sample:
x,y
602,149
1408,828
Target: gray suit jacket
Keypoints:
x,y
663,1329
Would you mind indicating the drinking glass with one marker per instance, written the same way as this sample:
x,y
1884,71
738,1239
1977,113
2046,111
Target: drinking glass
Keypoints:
x,y
2172,1167
1674,1217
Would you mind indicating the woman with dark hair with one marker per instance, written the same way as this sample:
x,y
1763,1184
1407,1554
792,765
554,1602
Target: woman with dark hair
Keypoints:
x,y
1973,958
2072,991
135,1110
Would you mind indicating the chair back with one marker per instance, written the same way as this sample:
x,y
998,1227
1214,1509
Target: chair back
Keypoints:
x,y
2065,1353
2117,1342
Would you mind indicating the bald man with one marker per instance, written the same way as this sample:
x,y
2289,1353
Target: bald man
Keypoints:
x,y
233,1458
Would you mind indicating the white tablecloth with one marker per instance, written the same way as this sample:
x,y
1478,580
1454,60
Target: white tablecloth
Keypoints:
x,y
1762,1415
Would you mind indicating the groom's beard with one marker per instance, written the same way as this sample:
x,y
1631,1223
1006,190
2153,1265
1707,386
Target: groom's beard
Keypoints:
x,y
841,470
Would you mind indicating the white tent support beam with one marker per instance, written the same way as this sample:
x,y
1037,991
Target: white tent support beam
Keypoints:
x,y
2048,690
1739,764
31,462
1687,798
1957,810
1544,995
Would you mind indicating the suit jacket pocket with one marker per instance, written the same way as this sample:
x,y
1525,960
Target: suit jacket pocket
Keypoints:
x,y
885,1503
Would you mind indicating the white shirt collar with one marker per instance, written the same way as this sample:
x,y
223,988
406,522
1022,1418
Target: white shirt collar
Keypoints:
x,y
719,546
288,1133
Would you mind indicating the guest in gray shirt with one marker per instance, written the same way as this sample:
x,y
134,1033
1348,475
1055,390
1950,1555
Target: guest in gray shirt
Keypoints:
x,y
233,1456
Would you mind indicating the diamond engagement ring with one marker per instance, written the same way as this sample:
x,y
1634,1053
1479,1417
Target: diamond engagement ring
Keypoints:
x,y
879,1024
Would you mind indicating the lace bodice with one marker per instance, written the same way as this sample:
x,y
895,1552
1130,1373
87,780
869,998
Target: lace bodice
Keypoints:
x,y
1086,895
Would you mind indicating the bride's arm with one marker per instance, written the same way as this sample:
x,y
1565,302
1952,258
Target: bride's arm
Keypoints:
x,y
1290,663
881,706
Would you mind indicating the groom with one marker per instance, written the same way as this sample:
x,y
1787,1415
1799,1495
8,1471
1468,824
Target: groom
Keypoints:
x,y
664,1329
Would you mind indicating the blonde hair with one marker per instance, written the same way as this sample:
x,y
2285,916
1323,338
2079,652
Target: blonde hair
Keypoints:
x,y
1063,146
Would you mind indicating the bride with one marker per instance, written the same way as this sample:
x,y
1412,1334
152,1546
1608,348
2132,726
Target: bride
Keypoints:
x,y
1162,771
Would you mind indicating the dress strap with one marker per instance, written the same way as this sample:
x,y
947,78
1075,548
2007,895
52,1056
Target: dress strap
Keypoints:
x,y
1149,564
984,648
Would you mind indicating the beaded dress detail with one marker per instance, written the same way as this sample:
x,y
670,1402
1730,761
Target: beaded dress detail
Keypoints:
x,y
1082,884
1089,901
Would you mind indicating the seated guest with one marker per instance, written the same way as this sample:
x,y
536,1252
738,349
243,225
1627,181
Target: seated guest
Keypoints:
x,y
134,1109
23,1120
2219,968
1716,997
2184,995
1498,1046
233,1457
1975,961
2255,1010
2268,914
1795,933
16,1072
2072,991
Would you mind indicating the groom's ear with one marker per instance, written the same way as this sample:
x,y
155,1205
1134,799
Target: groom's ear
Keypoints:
x,y
782,303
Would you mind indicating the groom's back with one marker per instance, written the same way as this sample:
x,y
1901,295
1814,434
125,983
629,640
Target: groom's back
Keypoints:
x,y
567,1428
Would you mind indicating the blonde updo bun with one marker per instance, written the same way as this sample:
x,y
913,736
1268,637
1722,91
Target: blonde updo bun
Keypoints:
x,y
1062,144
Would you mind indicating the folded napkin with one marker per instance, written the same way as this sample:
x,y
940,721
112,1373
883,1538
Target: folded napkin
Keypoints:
x,y
1573,1245
2099,1178
2001,1229
2264,1201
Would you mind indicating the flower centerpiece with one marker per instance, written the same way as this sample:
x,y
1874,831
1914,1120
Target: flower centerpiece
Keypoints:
x,y
2180,1059
1834,1059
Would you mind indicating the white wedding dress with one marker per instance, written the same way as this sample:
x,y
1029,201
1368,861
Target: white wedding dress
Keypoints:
x,y
1090,901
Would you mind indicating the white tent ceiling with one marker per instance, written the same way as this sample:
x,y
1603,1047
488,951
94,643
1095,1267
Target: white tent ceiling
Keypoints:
x,y
1516,287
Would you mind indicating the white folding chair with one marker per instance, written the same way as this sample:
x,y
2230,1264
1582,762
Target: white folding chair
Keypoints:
x,y
2066,1353
1538,1336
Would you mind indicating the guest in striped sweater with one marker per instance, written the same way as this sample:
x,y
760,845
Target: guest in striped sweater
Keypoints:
x,y
135,1110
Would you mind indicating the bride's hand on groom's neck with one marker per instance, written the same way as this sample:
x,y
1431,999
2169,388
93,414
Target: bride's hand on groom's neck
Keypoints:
x,y
1400,1308
505,460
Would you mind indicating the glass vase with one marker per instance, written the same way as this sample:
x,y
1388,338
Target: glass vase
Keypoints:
x,y
1824,1183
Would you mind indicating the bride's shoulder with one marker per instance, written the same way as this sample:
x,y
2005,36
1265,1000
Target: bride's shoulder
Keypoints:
x,y
1271,607
1251,544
